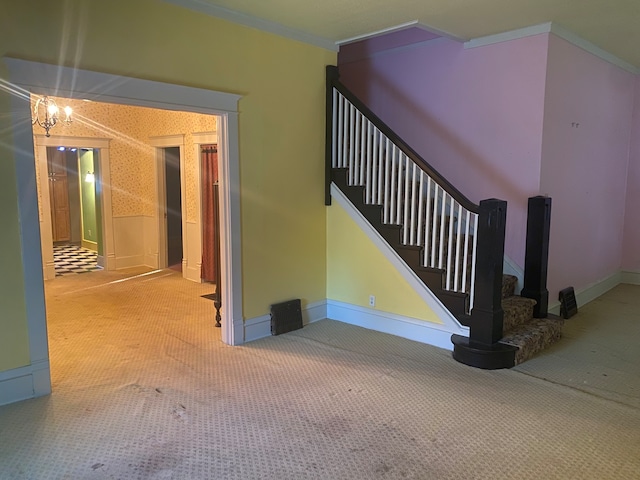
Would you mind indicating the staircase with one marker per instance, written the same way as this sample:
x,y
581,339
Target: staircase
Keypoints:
x,y
530,335
453,245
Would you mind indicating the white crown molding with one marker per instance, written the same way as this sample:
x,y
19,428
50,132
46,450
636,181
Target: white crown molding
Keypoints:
x,y
558,31
580,42
397,28
392,51
508,36
255,22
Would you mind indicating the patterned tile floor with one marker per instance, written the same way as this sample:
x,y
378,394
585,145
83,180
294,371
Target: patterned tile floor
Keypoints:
x,y
72,259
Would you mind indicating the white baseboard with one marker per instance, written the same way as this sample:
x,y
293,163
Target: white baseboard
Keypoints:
x,y
632,278
191,273
591,292
130,261
49,271
26,382
260,327
438,335
151,260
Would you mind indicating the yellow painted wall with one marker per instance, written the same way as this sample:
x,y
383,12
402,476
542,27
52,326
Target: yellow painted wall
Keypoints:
x,y
357,269
281,129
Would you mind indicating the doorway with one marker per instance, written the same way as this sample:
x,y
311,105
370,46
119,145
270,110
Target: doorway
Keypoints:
x,y
74,205
173,208
45,79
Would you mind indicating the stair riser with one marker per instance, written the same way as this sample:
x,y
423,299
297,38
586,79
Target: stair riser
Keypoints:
x,y
431,280
516,316
525,353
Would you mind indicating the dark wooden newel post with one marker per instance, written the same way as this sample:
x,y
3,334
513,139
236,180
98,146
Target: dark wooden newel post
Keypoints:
x,y
536,260
331,77
487,315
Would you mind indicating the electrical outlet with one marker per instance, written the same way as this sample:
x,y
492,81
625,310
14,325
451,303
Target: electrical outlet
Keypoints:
x,y
372,300
89,232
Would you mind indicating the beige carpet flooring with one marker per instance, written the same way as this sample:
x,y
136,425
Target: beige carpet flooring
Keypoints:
x,y
600,349
143,389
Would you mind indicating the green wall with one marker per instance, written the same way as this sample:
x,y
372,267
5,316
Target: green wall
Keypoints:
x,y
281,130
88,197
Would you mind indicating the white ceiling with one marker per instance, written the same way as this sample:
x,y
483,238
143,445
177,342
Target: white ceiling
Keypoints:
x,y
612,25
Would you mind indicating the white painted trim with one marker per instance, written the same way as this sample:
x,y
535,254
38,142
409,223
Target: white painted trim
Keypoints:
x,y
255,22
314,311
591,292
130,261
401,326
257,327
25,382
260,327
397,28
631,278
167,141
230,229
587,46
558,31
56,80
409,275
199,139
511,268
508,36
53,80
204,138
395,50
160,143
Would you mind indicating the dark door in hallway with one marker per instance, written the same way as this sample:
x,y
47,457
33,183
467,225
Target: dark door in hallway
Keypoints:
x,y
174,206
58,195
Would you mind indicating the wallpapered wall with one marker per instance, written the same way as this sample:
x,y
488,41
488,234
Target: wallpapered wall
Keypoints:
x,y
131,157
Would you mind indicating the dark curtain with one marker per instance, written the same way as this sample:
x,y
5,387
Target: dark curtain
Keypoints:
x,y
209,169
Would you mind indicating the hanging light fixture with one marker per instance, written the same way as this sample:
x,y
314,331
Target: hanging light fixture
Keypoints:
x,y
45,113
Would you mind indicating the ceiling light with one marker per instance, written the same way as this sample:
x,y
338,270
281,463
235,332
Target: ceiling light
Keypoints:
x,y
45,114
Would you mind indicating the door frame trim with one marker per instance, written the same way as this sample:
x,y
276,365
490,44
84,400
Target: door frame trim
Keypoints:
x,y
41,142
160,143
48,79
199,139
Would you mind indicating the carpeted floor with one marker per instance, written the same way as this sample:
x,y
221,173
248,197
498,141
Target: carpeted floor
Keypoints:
x,y
143,389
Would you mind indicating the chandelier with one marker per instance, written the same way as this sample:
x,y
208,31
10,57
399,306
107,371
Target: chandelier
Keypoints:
x,y
46,114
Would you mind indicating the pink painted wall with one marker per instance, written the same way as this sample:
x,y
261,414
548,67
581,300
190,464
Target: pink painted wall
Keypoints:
x,y
631,242
587,125
475,115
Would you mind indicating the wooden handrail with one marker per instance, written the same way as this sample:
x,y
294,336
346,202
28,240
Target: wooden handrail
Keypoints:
x,y
334,82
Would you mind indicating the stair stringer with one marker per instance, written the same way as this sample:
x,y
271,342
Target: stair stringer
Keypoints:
x,y
509,267
450,325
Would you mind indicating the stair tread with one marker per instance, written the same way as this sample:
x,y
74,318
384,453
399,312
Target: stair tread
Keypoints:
x,y
534,336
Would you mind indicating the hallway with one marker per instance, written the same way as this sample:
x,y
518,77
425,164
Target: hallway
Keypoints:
x,y
144,389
